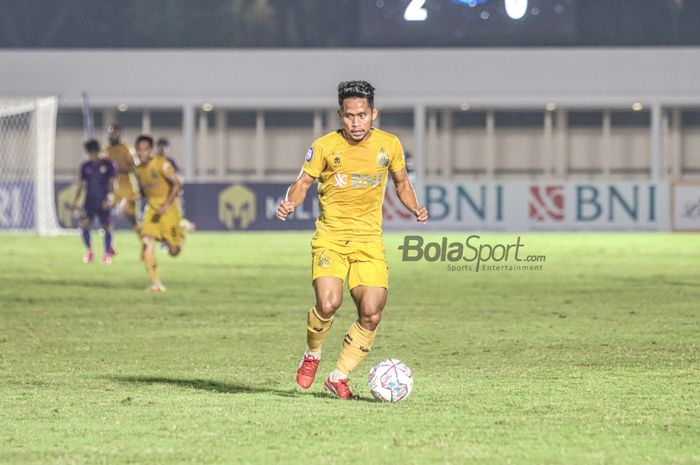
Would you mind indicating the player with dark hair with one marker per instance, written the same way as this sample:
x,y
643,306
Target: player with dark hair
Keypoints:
x,y
163,150
161,217
97,180
121,154
352,165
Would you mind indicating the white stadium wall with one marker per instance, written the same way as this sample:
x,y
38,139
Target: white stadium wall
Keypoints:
x,y
466,115
306,78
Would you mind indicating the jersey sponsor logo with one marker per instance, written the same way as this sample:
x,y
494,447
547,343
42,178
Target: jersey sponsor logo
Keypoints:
x,y
546,203
309,155
341,180
361,181
237,207
364,181
382,158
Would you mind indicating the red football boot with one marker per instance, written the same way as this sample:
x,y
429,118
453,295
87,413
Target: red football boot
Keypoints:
x,y
339,389
307,371
89,256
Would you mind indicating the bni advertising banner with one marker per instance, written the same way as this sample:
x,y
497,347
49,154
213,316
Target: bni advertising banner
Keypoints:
x,y
469,206
544,206
685,207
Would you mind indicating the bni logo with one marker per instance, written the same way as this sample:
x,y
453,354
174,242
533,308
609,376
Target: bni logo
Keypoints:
x,y
546,203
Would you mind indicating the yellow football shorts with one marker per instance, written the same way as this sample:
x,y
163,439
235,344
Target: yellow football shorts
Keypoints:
x,y
164,228
358,263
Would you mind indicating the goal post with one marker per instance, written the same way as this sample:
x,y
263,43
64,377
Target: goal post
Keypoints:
x,y
27,150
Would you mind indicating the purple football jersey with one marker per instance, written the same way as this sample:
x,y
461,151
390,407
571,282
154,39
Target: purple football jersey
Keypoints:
x,y
98,176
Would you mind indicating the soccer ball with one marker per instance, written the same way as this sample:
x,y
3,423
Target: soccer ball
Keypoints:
x,y
390,380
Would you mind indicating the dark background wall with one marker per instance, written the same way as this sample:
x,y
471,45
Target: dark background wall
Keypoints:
x,y
342,23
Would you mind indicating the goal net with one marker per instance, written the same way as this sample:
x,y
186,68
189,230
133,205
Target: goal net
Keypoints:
x,y
27,138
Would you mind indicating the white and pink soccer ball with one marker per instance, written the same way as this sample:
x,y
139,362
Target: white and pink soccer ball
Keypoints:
x,y
390,380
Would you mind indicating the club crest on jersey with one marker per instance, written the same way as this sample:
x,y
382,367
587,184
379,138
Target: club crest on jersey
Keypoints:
x,y
382,159
309,155
103,169
323,260
336,161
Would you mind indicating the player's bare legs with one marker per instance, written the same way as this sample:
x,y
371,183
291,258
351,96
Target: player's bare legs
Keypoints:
x,y
329,297
149,257
370,301
358,341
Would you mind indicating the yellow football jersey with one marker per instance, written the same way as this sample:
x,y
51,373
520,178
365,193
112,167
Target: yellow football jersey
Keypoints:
x,y
153,179
121,155
352,179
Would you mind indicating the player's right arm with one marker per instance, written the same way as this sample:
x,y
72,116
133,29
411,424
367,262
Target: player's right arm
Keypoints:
x,y
313,164
295,195
81,187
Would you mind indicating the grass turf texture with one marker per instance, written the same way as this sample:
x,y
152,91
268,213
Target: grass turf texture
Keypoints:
x,y
592,360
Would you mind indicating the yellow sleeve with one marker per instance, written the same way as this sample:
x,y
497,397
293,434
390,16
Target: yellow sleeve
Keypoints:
x,y
313,162
396,157
165,168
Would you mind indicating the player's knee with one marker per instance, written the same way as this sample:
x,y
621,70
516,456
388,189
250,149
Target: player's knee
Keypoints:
x,y
174,251
371,321
327,306
85,224
148,242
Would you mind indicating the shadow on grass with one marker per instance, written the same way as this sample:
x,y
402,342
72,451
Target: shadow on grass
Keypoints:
x,y
224,388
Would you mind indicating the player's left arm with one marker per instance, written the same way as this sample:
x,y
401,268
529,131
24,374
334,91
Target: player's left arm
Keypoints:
x,y
407,195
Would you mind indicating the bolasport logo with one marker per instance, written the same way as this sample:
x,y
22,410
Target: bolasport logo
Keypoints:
x,y
473,254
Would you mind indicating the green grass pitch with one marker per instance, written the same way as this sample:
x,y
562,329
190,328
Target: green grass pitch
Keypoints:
x,y
593,360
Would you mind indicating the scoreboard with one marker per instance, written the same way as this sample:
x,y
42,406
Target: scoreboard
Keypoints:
x,y
467,22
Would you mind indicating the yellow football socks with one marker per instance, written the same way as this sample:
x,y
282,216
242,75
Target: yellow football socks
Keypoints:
x,y
149,257
316,330
356,345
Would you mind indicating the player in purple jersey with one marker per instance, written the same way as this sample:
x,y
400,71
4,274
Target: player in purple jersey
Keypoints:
x,y
97,180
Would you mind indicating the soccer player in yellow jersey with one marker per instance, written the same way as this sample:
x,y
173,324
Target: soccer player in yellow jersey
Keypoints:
x,y
120,153
352,166
161,216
